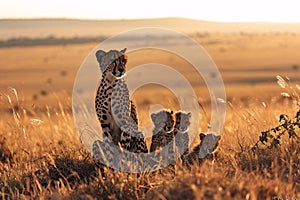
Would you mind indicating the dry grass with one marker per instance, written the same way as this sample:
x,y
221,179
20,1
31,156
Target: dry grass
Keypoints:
x,y
48,160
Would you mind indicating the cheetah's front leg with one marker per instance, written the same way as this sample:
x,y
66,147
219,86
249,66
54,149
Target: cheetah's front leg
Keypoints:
x,y
133,113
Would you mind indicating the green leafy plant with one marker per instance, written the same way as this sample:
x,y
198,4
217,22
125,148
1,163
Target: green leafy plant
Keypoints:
x,y
287,125
271,138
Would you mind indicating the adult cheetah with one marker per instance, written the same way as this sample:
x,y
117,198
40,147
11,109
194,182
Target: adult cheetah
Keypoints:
x,y
113,106
115,111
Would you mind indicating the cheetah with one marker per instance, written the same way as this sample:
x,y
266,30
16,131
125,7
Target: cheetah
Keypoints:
x,y
163,134
181,128
115,111
208,144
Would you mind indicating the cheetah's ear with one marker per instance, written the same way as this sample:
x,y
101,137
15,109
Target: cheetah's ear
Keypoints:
x,y
99,54
153,117
124,50
202,136
189,114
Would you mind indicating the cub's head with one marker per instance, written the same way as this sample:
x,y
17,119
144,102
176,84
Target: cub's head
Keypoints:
x,y
163,120
113,62
183,121
211,141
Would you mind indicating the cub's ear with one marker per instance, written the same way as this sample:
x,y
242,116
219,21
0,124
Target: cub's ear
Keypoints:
x,y
189,114
202,136
153,117
99,54
124,50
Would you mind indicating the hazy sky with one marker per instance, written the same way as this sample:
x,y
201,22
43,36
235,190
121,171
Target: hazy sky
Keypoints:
x,y
222,10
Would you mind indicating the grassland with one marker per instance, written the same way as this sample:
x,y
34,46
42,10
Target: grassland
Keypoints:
x,y
44,158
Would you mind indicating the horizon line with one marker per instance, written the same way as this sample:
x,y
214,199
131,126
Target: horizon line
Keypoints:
x,y
135,19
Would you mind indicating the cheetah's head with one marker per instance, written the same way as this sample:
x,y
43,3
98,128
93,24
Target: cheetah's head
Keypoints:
x,y
183,121
211,139
163,120
113,62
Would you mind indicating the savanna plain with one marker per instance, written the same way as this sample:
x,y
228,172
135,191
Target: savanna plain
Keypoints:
x,y
258,156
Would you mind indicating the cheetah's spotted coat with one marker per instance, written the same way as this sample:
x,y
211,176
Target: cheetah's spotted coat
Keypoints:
x,y
115,111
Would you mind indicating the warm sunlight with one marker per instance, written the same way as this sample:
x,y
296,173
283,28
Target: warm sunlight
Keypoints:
x,y
213,10
157,99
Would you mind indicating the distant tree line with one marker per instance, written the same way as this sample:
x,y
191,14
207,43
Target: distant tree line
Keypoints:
x,y
50,40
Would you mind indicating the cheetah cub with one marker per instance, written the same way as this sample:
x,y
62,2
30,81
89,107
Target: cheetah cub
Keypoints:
x,y
163,134
181,129
208,144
